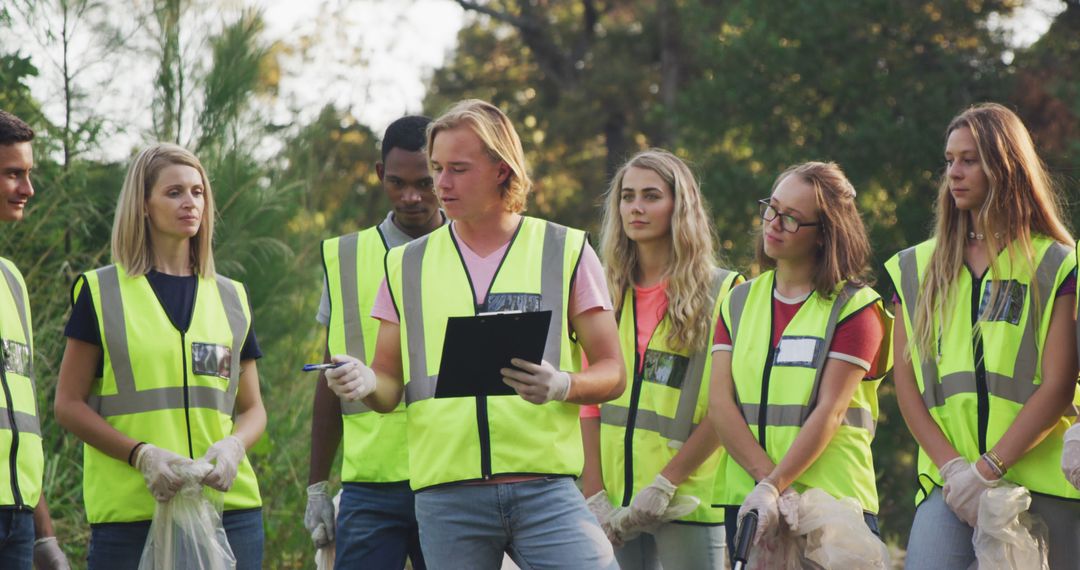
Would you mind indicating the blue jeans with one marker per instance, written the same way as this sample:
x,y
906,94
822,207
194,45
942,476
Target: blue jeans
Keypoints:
x,y
376,527
675,546
941,540
119,546
541,524
16,539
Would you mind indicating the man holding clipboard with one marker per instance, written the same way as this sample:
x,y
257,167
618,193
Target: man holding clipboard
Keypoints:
x,y
493,472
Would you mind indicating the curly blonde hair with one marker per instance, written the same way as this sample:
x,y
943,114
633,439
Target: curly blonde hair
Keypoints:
x,y
693,257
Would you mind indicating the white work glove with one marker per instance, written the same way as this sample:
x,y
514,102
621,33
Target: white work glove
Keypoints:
x,y
601,508
763,499
537,383
1070,456
351,381
651,507
226,456
48,556
319,514
158,467
964,489
788,505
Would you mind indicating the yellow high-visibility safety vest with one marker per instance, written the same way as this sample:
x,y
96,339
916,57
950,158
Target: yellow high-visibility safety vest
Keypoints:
x,y
375,445
20,429
777,388
642,430
173,389
467,439
976,385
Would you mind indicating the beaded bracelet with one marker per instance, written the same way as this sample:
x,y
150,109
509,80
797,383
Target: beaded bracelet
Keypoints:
x,y
993,466
997,461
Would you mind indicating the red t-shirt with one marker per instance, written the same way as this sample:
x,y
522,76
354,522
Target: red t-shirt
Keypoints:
x,y
857,339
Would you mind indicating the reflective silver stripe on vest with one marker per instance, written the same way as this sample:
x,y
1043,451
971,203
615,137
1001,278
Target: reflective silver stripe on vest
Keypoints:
x,y
25,423
128,400
234,313
691,387
794,415
615,415
350,310
1016,388
20,307
738,303
421,386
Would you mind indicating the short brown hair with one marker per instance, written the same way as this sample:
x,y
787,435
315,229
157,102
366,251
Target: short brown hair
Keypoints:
x,y
845,248
13,129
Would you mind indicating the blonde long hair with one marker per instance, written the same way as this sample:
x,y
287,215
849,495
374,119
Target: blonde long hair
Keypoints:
x,y
845,247
500,140
131,245
1021,201
693,259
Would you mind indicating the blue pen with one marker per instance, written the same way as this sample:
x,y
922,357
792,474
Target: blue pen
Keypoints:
x,y
321,366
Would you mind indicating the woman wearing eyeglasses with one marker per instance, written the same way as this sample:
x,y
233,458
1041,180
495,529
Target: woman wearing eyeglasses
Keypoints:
x,y
798,355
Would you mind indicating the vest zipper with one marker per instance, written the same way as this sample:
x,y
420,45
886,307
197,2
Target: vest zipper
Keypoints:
x,y
763,401
485,436
983,397
631,414
187,405
13,458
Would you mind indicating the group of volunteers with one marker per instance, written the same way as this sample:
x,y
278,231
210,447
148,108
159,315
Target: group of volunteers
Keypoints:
x,y
683,395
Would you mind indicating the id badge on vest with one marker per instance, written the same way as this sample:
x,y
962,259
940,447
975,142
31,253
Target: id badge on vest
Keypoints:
x,y
664,368
512,302
1009,304
211,360
17,358
798,351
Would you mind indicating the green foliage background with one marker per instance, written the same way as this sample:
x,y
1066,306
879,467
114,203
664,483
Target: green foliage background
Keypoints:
x,y
739,88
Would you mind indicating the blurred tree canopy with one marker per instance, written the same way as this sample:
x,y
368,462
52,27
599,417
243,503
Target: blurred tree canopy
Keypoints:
x,y
740,89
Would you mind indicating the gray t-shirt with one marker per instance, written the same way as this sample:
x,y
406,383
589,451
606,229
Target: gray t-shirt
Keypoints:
x,y
394,237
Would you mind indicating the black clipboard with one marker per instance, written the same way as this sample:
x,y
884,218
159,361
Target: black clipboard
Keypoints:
x,y
476,348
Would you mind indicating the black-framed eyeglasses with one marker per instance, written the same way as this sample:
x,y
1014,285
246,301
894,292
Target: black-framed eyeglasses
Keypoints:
x,y
788,223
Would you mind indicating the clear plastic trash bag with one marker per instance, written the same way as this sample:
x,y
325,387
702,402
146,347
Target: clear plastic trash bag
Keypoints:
x,y
1007,536
816,530
186,532
836,533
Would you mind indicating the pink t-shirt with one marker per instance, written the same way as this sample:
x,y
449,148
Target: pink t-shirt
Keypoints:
x,y
650,304
587,292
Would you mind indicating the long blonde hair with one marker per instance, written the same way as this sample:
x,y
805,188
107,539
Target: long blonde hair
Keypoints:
x,y
131,245
693,259
845,247
1021,201
500,140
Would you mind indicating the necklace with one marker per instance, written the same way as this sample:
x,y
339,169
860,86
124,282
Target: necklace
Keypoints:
x,y
980,237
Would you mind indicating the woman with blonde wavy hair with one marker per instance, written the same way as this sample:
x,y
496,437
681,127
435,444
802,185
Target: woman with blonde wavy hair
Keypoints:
x,y
649,471
798,354
985,331
158,377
